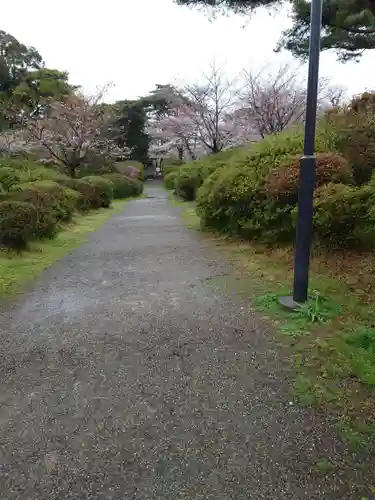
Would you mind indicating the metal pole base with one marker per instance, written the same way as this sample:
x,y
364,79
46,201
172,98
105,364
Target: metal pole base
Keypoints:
x,y
287,302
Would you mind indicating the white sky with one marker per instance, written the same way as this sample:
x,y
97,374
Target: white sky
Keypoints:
x,y
138,43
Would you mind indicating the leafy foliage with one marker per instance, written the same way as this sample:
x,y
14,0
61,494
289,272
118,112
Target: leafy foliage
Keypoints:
x,y
344,216
187,181
25,83
169,167
90,197
52,201
9,177
354,127
72,129
103,190
124,187
348,25
170,180
18,221
282,183
46,206
255,194
129,128
126,168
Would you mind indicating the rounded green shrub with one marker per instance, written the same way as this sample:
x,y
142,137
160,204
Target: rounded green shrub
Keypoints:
x,y
282,183
252,190
49,209
187,182
241,201
18,223
50,194
233,200
169,165
89,195
39,173
170,180
103,190
8,177
73,199
122,167
123,186
344,216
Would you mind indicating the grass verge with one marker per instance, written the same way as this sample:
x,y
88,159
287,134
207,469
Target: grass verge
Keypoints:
x,y
330,341
18,270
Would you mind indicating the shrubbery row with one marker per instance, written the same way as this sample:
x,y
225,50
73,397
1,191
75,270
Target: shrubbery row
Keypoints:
x,y
252,191
35,201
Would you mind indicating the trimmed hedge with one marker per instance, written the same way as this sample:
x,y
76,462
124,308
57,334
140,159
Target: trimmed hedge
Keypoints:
x,y
344,216
187,181
123,166
282,183
170,180
356,141
103,188
18,223
89,196
255,195
124,187
47,195
168,169
169,165
51,198
262,157
8,177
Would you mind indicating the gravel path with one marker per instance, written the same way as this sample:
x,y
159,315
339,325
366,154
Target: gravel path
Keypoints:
x,y
124,376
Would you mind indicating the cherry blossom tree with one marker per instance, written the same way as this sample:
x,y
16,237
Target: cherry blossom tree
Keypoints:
x,y
175,132
273,101
210,106
200,118
69,131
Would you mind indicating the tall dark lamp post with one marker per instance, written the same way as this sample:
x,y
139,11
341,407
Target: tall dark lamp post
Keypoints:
x,y
307,169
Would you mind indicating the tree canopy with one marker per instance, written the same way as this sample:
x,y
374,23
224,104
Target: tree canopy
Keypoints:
x,y
348,25
129,128
25,83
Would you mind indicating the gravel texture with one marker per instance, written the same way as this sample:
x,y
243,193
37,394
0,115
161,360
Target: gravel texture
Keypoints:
x,y
124,376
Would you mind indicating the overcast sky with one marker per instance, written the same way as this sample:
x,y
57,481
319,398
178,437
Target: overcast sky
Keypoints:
x,y
138,43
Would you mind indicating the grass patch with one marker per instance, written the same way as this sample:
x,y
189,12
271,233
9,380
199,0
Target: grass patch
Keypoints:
x,y
330,341
18,270
324,466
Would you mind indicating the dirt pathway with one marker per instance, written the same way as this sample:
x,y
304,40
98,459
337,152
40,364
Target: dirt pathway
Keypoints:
x,y
125,377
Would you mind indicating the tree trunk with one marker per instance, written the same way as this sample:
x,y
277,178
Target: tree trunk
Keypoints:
x,y
71,170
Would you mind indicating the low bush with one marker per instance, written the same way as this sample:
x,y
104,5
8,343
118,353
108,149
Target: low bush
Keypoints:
x,y
103,188
124,187
263,157
30,170
282,183
171,165
123,167
356,141
89,196
41,174
233,200
254,195
8,177
353,130
187,181
170,180
344,216
168,169
18,223
48,194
